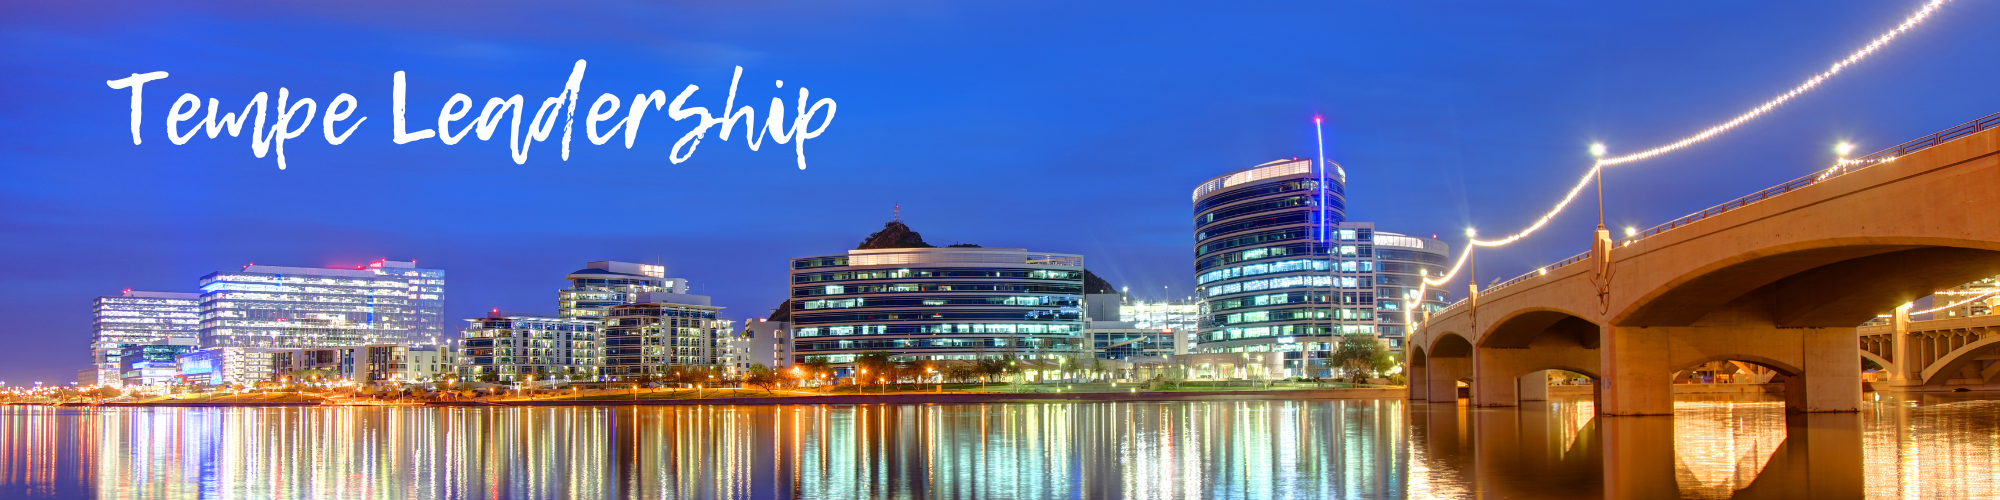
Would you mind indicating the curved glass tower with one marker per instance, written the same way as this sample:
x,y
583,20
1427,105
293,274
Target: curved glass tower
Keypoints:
x,y
1271,272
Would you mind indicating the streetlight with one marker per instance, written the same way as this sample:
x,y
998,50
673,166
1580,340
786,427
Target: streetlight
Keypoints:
x,y
1843,149
1597,149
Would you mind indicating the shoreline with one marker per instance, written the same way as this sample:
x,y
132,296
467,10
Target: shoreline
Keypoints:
x,y
841,399
965,398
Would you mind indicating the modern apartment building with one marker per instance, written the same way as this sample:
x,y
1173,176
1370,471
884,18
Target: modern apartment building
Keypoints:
x,y
134,318
762,342
512,347
280,307
952,303
602,284
662,332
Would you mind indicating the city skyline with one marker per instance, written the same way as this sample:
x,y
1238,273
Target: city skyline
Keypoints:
x,y
1484,144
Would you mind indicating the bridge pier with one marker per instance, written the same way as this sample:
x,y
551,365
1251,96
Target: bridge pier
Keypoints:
x,y
1832,378
1508,376
1638,377
1906,371
1821,366
1417,382
1444,375
1534,386
1495,381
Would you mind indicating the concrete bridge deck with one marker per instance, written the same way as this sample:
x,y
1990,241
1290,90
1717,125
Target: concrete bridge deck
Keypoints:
x,y
1780,279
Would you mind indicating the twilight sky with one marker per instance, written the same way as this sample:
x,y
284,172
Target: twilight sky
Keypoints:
x,y
1056,126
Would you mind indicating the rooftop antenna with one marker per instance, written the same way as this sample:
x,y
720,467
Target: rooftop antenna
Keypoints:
x,y
897,213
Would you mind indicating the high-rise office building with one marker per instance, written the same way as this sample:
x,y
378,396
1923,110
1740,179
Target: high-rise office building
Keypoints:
x,y
952,303
1278,269
135,318
602,284
280,307
1402,262
661,332
1271,275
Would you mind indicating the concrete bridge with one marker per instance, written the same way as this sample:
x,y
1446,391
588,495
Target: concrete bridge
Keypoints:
x,y
1780,279
1946,353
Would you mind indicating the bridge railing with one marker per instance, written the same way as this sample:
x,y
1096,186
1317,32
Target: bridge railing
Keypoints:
x,y
1538,272
1843,168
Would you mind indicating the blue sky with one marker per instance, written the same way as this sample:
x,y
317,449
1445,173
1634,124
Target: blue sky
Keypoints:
x,y
1048,125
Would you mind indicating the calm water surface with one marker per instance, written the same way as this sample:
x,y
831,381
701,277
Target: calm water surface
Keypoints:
x,y
1931,447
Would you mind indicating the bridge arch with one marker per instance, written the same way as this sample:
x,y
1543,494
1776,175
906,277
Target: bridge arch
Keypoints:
x,y
1830,282
1941,371
1887,366
1522,327
1450,345
1781,367
1416,356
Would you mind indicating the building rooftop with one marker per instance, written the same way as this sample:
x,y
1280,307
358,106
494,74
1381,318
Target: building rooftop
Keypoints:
x,y
1267,170
959,255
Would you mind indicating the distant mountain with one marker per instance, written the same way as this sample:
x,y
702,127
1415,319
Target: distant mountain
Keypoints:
x,y
895,234
1094,285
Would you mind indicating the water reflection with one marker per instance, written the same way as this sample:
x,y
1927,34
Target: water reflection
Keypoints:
x,y
1935,447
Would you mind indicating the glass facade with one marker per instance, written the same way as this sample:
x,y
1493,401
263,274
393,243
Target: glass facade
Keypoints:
x,y
385,302
151,364
936,304
135,318
1274,269
511,347
225,366
1401,264
1124,344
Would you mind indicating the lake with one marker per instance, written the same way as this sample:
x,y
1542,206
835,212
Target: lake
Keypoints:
x,y
1937,446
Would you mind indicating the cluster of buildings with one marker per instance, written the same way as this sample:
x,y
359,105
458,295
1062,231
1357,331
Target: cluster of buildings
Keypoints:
x,y
383,323
363,323
1281,278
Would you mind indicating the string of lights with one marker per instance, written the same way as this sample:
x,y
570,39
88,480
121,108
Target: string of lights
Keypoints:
x,y
1960,303
1908,23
